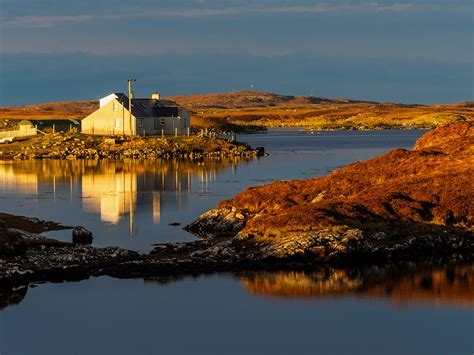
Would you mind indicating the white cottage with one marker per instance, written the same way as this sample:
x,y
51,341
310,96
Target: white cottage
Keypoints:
x,y
147,116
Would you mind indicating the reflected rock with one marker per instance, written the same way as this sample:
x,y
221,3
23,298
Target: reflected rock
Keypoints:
x,y
400,284
11,296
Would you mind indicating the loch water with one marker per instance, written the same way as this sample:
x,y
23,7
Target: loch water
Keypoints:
x,y
403,309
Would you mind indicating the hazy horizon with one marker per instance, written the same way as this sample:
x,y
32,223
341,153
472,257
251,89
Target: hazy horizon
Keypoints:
x,y
410,52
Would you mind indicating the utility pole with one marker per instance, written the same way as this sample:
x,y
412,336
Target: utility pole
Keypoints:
x,y
130,93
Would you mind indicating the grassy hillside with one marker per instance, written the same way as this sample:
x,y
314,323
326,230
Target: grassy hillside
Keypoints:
x,y
427,187
248,109
271,110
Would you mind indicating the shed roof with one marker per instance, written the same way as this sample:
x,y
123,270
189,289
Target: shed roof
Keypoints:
x,y
49,122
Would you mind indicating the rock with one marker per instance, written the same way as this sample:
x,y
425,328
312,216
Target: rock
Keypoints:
x,y
11,244
174,224
81,236
219,221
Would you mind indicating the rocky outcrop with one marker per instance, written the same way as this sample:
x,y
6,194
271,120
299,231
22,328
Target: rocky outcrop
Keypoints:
x,y
79,146
26,257
402,204
224,221
29,224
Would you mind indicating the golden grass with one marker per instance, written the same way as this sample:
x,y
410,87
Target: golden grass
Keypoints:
x,y
228,111
357,116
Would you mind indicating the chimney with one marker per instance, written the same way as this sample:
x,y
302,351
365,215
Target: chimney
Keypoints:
x,y
155,96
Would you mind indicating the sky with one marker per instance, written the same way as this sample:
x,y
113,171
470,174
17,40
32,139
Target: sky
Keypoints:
x,y
414,51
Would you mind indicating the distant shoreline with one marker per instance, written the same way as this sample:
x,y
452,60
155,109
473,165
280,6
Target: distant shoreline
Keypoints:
x,y
253,111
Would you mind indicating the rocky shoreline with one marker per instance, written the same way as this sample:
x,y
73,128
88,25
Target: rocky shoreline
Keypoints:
x,y
405,206
72,145
27,257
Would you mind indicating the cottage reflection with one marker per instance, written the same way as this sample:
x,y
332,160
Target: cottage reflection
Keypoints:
x,y
22,182
35,177
116,190
110,193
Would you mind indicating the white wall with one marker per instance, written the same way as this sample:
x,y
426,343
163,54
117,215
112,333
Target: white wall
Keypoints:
x,y
105,100
112,118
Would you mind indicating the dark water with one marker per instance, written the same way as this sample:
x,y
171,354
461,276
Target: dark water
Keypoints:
x,y
409,310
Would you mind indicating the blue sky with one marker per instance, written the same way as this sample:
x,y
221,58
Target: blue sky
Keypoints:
x,y
405,51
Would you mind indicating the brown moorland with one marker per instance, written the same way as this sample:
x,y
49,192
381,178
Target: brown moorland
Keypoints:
x,y
396,193
247,108
273,110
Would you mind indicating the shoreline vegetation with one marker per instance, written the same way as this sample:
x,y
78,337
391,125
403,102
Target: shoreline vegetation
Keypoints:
x,y
72,145
253,112
402,207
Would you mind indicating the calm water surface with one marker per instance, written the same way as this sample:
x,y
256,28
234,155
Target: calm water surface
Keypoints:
x,y
131,204
417,310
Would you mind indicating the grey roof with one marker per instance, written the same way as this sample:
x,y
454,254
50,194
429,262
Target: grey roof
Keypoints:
x,y
149,107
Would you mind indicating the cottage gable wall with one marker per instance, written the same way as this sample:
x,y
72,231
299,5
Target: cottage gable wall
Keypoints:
x,y
112,118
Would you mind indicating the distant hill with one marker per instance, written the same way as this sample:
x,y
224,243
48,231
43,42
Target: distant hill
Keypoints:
x,y
246,99
249,108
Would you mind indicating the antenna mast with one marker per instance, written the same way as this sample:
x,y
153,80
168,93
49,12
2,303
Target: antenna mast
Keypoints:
x,y
130,94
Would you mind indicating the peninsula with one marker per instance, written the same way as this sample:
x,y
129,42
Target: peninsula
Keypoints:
x,y
73,145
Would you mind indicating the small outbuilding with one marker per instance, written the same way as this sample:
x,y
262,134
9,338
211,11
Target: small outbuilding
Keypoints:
x,y
145,117
56,125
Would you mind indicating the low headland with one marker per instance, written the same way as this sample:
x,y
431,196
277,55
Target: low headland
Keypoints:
x,y
73,145
404,206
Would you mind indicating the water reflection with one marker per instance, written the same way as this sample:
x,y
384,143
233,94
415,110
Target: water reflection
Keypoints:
x,y
17,181
115,190
400,284
12,296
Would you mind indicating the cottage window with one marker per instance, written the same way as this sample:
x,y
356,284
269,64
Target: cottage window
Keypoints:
x,y
117,123
162,121
115,106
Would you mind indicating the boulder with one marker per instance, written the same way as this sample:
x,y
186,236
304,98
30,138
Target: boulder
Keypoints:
x,y
81,236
